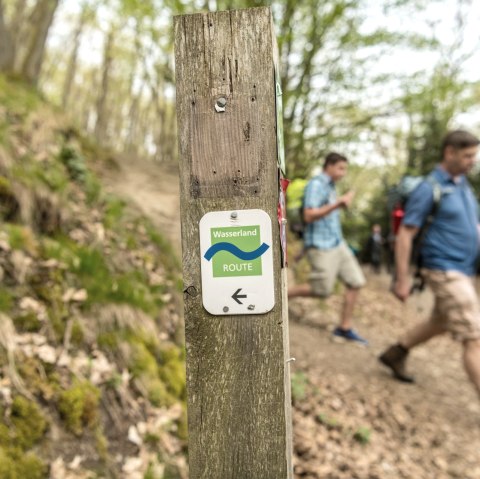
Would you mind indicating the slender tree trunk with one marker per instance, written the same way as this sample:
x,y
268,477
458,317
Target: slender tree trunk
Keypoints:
x,y
42,18
101,124
7,51
18,24
72,61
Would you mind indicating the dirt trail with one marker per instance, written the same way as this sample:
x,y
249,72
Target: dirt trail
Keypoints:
x,y
351,420
154,189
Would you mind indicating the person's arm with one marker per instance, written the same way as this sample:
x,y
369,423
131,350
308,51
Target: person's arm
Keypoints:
x,y
313,214
403,251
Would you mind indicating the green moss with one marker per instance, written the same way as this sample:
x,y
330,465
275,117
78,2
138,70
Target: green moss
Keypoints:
x,y
173,374
5,186
143,362
78,406
28,422
16,464
32,371
157,392
6,300
77,333
108,341
27,322
172,370
21,238
182,424
101,443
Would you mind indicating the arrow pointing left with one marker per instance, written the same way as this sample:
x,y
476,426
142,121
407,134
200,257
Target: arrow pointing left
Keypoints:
x,y
236,296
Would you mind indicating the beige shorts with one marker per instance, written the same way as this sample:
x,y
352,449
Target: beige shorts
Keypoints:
x,y
328,265
456,307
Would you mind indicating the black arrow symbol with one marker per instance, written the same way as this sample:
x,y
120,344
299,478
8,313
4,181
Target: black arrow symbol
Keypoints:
x,y
236,296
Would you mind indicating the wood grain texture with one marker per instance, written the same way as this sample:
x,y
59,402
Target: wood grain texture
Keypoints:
x,y
237,375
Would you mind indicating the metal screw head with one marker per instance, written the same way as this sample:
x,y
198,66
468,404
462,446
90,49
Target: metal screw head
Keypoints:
x,y
220,104
251,307
225,309
234,215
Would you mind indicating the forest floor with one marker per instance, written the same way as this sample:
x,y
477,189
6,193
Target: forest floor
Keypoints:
x,y
351,419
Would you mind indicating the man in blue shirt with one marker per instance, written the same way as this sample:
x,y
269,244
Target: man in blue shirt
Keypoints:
x,y
449,250
329,256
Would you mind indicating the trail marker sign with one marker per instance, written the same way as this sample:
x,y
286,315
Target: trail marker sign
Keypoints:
x,y
237,262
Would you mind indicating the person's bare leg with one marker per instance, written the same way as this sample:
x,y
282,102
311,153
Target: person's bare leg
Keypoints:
x,y
471,361
349,302
420,333
300,290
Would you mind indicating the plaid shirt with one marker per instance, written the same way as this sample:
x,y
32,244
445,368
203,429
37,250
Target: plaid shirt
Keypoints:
x,y
325,233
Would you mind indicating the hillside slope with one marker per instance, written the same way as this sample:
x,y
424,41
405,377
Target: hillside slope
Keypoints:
x,y
92,380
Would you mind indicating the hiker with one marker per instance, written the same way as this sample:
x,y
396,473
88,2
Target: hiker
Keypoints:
x,y
374,248
448,253
328,254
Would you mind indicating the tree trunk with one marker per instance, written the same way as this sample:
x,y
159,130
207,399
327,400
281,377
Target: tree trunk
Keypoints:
x,y
101,123
18,27
42,18
7,51
72,61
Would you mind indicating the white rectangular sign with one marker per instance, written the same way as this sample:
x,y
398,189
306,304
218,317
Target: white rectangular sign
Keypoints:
x,y
237,262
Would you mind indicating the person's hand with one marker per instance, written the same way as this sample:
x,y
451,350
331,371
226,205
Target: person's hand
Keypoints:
x,y
401,289
346,199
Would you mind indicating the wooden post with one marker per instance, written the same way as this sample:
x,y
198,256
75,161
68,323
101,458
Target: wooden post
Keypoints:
x,y
238,382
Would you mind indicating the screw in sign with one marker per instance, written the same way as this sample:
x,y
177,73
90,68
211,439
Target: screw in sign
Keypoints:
x,y
237,262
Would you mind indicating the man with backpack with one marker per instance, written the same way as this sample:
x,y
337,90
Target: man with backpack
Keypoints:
x,y
328,254
448,251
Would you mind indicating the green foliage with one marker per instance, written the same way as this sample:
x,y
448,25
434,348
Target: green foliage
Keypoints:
x,y
75,163
363,435
102,282
114,210
6,300
21,238
18,98
168,256
299,382
78,406
77,334
16,464
328,421
101,443
27,322
29,424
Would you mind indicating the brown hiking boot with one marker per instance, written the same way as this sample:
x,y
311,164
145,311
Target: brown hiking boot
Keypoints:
x,y
394,358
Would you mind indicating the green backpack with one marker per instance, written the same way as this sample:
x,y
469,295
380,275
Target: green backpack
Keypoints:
x,y
295,198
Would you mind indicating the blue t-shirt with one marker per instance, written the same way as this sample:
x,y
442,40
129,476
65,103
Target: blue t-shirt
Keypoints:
x,y
326,232
451,242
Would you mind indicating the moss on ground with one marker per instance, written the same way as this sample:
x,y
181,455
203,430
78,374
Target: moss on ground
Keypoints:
x,y
78,406
26,427
16,464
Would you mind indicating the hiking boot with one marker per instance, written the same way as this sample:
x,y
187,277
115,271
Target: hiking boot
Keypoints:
x,y
348,335
395,358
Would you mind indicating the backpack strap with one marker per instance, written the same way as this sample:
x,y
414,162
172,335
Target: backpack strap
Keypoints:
x,y
437,191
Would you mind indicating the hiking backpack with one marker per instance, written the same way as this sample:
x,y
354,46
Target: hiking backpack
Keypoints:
x,y
295,201
397,198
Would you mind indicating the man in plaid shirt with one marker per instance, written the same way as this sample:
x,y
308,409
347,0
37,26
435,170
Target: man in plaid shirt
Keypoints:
x,y
329,256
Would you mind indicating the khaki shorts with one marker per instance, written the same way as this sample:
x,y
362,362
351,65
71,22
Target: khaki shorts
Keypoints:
x,y
328,265
456,308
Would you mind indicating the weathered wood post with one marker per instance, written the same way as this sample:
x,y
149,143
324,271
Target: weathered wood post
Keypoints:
x,y
236,325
